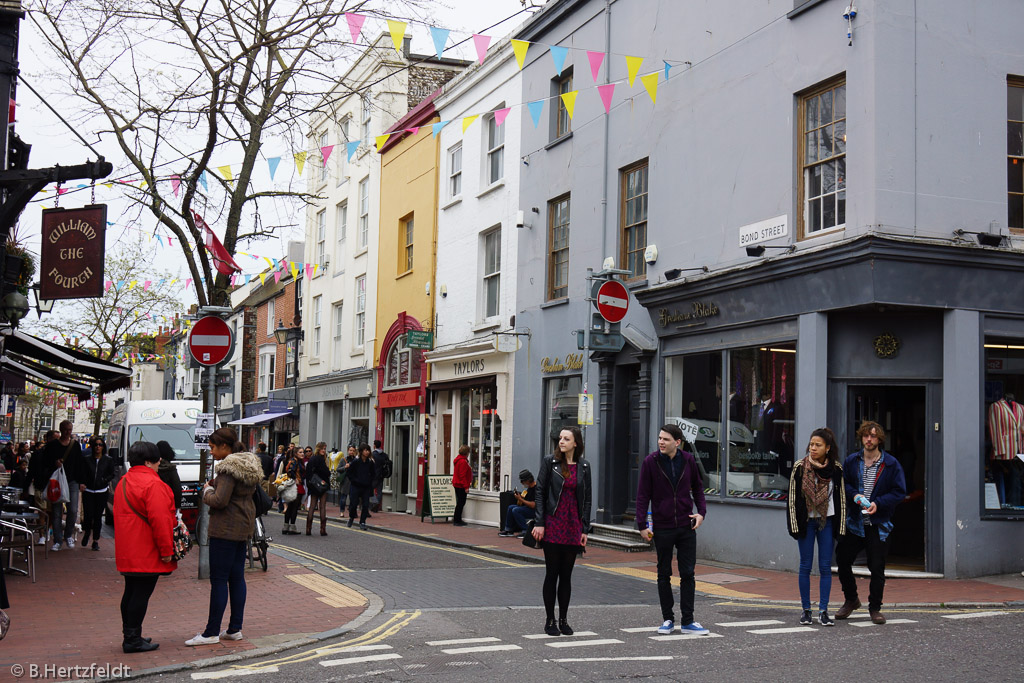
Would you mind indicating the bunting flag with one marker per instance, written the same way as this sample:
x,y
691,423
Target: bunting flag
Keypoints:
x,y
440,38
272,164
596,60
309,271
188,282
300,161
667,67
650,82
558,54
606,92
569,98
438,126
222,260
325,151
355,25
500,115
467,121
145,285
397,30
413,131
202,181
536,108
382,140
175,184
519,47
481,43
633,68
226,172
277,276
263,278
294,269
351,148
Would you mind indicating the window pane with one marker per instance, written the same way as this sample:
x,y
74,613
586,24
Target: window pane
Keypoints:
x,y
492,296
825,143
840,165
811,113
1014,103
561,407
839,104
814,181
1015,218
693,393
814,215
828,177
1004,388
828,206
841,208
840,141
811,147
1015,138
825,113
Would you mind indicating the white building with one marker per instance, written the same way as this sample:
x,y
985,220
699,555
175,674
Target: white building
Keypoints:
x,y
147,382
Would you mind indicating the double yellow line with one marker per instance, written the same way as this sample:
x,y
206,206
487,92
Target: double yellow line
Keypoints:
x,y
330,564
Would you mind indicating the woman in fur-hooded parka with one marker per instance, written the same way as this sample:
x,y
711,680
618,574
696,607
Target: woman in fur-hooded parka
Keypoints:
x,y
229,496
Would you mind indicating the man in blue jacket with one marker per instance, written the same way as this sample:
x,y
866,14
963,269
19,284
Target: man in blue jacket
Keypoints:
x,y
876,475
670,482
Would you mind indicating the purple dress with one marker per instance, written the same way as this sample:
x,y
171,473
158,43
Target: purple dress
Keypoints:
x,y
563,526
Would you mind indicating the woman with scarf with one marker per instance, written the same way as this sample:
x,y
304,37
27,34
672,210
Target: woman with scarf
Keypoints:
x,y
816,511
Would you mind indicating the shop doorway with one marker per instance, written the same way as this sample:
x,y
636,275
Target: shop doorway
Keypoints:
x,y
903,413
400,448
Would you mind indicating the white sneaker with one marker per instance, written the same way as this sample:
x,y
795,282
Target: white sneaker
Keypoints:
x,y
200,639
56,547
70,543
237,635
41,541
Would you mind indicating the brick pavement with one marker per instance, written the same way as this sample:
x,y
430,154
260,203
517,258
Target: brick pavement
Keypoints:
x,y
71,616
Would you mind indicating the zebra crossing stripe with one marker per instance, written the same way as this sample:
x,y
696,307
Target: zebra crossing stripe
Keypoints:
x,y
481,648
463,641
649,658
763,622
973,615
360,660
544,636
773,631
584,643
890,621
230,673
685,636
358,648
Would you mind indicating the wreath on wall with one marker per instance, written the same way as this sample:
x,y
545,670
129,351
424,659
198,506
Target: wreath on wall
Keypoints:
x,y
887,345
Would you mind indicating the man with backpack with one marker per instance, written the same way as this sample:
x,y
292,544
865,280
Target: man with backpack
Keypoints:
x,y
383,471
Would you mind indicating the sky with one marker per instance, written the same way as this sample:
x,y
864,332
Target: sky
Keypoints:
x,y
52,143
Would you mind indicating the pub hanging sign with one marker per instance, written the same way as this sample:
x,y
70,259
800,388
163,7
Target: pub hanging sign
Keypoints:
x,y
73,252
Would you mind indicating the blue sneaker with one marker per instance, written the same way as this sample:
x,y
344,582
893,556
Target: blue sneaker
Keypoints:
x,y
694,628
666,628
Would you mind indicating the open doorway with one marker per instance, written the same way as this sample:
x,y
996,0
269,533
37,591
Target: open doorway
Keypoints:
x,y
902,412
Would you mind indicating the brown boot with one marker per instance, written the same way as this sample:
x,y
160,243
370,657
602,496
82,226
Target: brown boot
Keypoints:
x,y
323,527
877,618
309,526
847,609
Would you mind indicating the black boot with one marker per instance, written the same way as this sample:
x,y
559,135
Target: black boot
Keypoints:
x,y
550,627
134,642
564,627
85,538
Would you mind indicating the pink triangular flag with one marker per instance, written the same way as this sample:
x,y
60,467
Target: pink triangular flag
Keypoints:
x,y
501,114
606,91
596,59
309,271
277,276
481,43
414,130
175,184
355,25
326,152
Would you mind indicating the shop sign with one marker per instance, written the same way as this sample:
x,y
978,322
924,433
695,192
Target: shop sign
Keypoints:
x,y
763,231
469,367
573,361
698,310
439,500
71,260
419,339
399,399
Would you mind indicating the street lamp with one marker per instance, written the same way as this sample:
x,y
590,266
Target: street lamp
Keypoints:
x,y
14,307
42,305
180,394
284,335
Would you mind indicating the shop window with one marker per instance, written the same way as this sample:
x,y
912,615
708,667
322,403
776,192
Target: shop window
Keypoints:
x,y
693,394
823,158
359,421
1015,153
480,429
1004,427
561,408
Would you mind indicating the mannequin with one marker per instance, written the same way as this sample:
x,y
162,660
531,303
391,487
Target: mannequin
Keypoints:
x,y
1006,428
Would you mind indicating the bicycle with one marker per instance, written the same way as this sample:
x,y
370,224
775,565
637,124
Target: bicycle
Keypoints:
x,y
259,542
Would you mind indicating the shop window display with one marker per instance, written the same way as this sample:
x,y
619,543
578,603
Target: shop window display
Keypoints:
x,y
1004,426
562,404
693,394
480,429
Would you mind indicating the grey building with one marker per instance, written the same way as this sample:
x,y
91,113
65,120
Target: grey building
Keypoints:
x,y
879,162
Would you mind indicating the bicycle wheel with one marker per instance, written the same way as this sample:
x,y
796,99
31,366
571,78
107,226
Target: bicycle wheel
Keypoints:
x,y
259,544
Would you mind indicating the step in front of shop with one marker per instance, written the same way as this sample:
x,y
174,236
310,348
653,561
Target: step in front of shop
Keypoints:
x,y
623,538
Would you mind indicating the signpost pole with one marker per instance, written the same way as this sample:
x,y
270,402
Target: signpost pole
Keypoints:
x,y
203,525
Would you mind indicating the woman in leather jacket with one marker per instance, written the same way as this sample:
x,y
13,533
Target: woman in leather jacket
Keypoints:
x,y
563,522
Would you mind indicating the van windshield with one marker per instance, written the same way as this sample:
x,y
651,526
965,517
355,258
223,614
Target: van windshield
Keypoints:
x,y
179,436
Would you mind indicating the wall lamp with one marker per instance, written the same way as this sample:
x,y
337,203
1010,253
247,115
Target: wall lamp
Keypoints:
x,y
674,273
758,249
985,239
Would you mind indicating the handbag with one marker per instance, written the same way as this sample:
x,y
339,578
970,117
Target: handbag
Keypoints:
x,y
317,485
181,540
261,501
287,491
528,540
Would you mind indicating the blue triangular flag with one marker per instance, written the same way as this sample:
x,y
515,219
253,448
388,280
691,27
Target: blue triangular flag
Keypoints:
x,y
161,283
119,285
438,126
440,38
247,278
202,181
559,53
351,148
536,108
272,163
159,241
667,67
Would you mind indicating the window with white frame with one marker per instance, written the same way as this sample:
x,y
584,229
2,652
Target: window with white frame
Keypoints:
x,y
406,232
367,109
265,377
455,171
495,150
492,272
317,313
291,355
336,349
360,311
341,223
324,139
341,154
823,158
298,295
321,236
271,318
364,212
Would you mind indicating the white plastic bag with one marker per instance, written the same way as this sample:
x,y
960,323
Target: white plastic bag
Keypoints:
x,y
65,494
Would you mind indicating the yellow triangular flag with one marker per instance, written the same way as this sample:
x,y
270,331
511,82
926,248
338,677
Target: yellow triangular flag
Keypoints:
x,y
633,68
382,140
650,82
295,271
467,121
300,161
263,278
520,47
569,98
315,266
131,285
173,281
226,172
397,29
108,185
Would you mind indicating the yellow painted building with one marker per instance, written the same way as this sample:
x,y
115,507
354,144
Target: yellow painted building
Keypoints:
x,y
405,286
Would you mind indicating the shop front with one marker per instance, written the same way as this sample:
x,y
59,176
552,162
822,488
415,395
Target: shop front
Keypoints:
x,y
895,331
335,409
271,421
471,405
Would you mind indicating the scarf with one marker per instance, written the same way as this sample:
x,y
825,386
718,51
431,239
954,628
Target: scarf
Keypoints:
x,y
816,480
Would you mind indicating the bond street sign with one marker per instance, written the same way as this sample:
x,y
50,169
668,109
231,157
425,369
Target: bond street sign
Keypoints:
x,y
72,254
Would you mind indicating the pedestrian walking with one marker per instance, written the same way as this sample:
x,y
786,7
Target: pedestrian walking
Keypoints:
x,y
344,485
232,516
318,477
291,473
169,473
382,461
816,512
875,485
64,451
94,476
562,522
143,539
670,483
361,473
462,479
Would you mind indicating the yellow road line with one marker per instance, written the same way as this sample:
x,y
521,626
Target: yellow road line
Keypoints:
x,y
389,628
330,564
702,586
333,593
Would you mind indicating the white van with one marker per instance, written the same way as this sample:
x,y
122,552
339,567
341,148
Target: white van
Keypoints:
x,y
153,421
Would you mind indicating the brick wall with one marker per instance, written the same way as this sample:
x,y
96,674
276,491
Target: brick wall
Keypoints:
x,y
249,357
284,311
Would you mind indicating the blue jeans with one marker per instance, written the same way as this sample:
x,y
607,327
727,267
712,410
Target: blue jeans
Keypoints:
x,y
227,577
517,516
823,534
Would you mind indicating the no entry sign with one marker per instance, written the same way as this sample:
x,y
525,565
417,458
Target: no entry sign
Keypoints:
x,y
209,342
612,301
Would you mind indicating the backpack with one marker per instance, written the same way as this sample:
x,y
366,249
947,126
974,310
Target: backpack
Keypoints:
x,y
385,469
262,501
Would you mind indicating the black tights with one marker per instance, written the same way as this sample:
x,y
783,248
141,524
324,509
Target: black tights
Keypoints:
x,y
292,511
558,560
135,600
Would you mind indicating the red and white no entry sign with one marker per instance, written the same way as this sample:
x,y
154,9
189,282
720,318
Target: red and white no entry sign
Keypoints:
x,y
612,301
209,342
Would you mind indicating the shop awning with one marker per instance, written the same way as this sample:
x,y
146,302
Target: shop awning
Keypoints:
x,y
262,418
108,375
44,377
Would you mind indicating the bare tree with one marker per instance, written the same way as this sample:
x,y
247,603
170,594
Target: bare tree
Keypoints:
x,y
176,82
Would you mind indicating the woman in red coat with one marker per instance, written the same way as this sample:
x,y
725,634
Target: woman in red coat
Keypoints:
x,y
144,523
462,479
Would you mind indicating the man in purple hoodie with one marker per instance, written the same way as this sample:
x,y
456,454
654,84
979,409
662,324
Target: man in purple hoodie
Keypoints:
x,y
670,482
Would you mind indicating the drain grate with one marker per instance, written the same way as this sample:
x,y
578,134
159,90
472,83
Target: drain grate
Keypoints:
x,y
439,664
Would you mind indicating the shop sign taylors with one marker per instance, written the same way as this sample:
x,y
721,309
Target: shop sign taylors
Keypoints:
x,y
72,254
